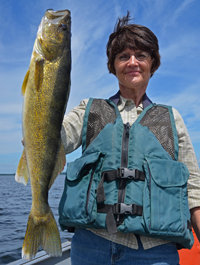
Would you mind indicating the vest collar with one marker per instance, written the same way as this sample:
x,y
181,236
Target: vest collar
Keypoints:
x,y
146,100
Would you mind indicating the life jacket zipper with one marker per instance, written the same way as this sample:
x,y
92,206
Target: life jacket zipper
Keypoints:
x,y
125,142
124,163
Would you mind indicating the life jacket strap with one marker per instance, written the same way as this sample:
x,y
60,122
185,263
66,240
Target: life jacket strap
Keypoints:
x,y
121,172
117,209
189,225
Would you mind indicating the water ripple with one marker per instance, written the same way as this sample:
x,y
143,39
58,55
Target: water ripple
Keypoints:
x,y
15,205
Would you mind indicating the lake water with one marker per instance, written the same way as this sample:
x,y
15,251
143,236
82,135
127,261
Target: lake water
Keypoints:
x,y
15,205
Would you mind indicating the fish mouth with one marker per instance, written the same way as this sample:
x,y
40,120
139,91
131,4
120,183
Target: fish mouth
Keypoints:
x,y
60,14
58,11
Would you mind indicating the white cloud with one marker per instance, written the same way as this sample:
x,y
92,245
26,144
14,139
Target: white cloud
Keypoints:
x,y
10,123
180,9
10,142
182,46
195,136
15,108
187,101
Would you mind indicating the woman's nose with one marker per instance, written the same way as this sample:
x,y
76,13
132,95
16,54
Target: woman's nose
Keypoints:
x,y
132,60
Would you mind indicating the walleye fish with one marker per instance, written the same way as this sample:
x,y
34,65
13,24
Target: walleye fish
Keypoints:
x,y
46,90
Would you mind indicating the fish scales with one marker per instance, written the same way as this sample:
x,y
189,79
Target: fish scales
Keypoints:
x,y
46,90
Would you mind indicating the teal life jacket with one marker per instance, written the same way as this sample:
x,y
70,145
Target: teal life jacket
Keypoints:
x,y
128,178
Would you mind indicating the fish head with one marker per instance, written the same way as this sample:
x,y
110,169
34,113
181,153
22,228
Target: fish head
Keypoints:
x,y
54,34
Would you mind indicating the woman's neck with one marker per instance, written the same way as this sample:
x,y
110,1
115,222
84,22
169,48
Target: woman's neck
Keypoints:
x,y
135,95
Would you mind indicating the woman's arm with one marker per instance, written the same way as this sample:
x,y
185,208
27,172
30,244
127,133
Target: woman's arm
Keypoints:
x,y
187,156
195,219
71,132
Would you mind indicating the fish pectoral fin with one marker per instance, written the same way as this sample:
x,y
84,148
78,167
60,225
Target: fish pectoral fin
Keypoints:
x,y
60,164
38,73
22,175
41,231
25,82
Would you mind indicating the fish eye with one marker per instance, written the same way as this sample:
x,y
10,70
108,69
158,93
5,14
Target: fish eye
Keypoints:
x,y
63,26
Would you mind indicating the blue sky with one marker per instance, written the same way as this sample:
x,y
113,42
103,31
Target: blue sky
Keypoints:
x,y
176,23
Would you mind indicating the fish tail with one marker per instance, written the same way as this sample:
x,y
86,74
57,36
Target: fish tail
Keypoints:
x,y
41,231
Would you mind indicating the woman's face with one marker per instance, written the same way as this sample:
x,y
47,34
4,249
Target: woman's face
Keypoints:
x,y
132,74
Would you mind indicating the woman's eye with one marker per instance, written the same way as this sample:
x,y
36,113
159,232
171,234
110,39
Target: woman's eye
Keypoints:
x,y
124,57
141,56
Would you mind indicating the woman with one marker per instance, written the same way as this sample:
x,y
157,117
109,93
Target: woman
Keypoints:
x,y
107,190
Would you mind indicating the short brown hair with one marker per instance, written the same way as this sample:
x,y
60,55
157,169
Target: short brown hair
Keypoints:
x,y
134,37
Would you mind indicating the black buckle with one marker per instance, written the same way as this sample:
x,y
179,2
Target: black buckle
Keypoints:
x,y
126,173
122,208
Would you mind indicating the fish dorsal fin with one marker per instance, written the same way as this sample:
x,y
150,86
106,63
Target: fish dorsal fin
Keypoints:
x,y
59,166
38,73
21,175
25,82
